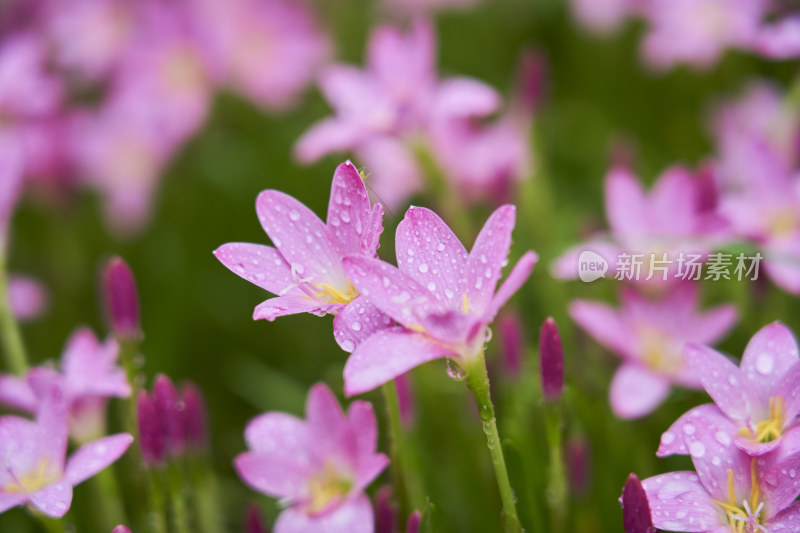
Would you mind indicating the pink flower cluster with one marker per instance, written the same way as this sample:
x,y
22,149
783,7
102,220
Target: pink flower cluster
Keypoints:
x,y
104,93
745,446
697,32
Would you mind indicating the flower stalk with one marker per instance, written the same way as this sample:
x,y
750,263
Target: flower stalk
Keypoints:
x,y
397,464
478,382
13,347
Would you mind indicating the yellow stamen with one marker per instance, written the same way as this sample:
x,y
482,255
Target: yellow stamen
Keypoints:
x,y
325,486
464,304
739,516
769,429
335,294
30,482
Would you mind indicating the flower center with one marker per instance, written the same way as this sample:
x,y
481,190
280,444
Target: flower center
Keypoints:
x,y
658,352
326,486
464,304
335,294
744,518
769,429
40,476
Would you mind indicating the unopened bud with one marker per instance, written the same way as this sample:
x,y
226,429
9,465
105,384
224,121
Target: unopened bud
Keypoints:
x,y
122,299
195,419
636,517
551,361
384,514
414,522
151,431
170,409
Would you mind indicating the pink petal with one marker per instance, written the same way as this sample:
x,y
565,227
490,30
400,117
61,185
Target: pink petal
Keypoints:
x,y
487,257
8,500
292,304
51,421
566,266
723,381
272,432
778,478
353,516
464,98
349,212
714,324
403,62
680,494
283,474
91,458
602,322
261,265
787,388
324,415
357,321
27,297
673,442
787,520
53,500
394,172
18,445
768,356
429,252
352,92
301,238
328,136
672,203
392,291
516,278
625,203
369,468
635,391
364,425
386,355
11,179
372,234
16,392
781,265
780,40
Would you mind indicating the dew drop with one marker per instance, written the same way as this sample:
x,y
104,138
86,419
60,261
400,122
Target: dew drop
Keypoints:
x,y
294,215
765,363
423,267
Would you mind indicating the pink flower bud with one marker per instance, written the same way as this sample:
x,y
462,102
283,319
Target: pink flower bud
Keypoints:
x,y
551,361
151,431
512,342
578,465
636,516
414,522
384,514
170,409
195,419
531,80
122,299
253,520
121,529
405,397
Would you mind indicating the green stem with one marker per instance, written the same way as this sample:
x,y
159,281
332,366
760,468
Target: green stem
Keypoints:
x,y
51,525
156,515
13,348
180,519
396,450
205,497
109,503
557,484
478,382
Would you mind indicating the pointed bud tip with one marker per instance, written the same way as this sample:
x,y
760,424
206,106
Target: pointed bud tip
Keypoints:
x,y
151,430
122,299
254,521
551,361
414,522
636,517
121,529
195,416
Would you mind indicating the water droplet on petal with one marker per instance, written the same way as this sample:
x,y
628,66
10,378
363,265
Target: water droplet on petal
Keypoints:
x,y
765,363
294,215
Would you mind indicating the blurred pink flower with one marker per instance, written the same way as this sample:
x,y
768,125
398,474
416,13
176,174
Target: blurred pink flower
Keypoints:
x,y
780,40
28,297
88,377
603,16
34,469
385,111
319,467
269,50
427,6
759,397
305,267
121,299
11,183
675,217
649,336
443,297
27,90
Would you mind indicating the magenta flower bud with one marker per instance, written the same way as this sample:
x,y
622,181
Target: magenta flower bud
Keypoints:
x,y
195,419
578,465
636,516
532,80
405,397
414,522
384,514
551,361
253,520
170,409
151,431
512,342
122,299
121,529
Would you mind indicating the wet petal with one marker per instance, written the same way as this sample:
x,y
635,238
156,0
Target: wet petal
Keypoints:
x,y
259,264
788,389
292,304
429,252
678,502
635,391
488,256
515,279
787,521
779,476
723,381
7,500
357,321
672,441
53,500
768,356
386,355
91,458
349,213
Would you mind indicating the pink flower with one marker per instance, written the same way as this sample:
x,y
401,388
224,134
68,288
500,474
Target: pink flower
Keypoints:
x,y
757,402
443,298
780,40
27,90
11,181
32,458
319,467
88,377
603,16
731,491
673,218
269,50
305,269
697,32
27,296
386,111
649,336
